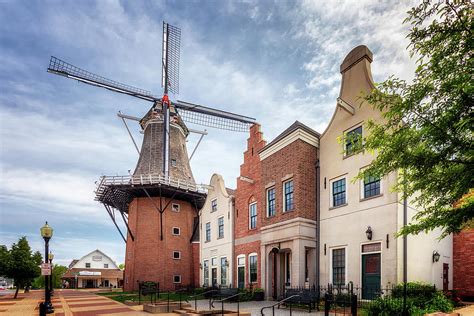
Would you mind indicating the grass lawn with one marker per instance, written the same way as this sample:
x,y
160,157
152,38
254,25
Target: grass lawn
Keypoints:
x,y
133,296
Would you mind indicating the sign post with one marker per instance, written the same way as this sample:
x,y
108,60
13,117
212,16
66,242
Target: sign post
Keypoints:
x,y
45,269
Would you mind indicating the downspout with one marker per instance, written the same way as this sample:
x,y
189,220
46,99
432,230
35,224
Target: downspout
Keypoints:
x,y
318,221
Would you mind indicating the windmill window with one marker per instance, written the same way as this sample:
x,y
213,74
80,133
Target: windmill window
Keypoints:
x,y
173,162
176,231
176,254
176,278
175,207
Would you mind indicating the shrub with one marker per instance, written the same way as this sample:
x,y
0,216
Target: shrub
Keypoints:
x,y
421,299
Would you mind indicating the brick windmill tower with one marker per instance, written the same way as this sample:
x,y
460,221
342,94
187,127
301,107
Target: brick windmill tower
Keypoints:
x,y
159,202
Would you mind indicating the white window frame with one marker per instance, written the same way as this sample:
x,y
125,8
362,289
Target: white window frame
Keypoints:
x,y
331,200
253,254
240,257
212,205
216,263
179,255
331,281
362,189
205,232
223,227
256,215
179,231
345,135
87,263
274,201
175,207
226,272
177,275
203,272
284,195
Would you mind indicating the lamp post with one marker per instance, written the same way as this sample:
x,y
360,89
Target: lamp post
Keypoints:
x,y
51,289
47,233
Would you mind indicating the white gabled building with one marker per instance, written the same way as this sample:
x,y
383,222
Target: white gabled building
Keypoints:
x,y
216,234
350,250
96,269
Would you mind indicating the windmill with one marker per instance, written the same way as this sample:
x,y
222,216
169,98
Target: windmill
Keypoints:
x,y
162,179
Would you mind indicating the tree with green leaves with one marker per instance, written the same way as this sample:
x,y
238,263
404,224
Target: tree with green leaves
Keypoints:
x,y
58,272
427,132
22,264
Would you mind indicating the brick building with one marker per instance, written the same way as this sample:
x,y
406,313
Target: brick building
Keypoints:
x,y
463,263
248,202
288,212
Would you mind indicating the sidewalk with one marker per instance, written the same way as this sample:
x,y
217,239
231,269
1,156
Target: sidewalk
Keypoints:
x,y
65,302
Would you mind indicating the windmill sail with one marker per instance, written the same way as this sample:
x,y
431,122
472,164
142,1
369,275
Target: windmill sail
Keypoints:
x,y
62,68
170,58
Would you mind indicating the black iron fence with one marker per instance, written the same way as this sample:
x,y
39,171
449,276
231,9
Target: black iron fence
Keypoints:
x,y
349,299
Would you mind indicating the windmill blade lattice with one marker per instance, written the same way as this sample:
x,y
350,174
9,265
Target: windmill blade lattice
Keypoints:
x,y
201,115
170,57
62,68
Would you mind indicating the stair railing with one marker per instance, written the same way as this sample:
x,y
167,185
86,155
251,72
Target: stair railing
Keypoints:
x,y
228,298
201,294
278,304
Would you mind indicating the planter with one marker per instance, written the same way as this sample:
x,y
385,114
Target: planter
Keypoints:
x,y
258,296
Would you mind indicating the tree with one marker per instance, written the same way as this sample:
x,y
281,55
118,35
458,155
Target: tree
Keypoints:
x,y
58,272
23,265
4,260
122,266
428,128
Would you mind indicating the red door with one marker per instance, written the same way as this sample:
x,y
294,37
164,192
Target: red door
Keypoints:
x,y
445,276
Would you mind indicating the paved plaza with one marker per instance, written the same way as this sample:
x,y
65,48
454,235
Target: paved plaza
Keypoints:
x,y
87,303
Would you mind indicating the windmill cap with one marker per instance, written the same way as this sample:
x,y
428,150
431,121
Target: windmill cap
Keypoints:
x,y
357,54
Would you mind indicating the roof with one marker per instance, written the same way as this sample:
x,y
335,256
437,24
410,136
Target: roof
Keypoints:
x,y
76,261
230,191
293,127
104,273
73,262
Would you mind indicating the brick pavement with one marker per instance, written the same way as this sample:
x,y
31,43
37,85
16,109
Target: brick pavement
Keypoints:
x,y
66,303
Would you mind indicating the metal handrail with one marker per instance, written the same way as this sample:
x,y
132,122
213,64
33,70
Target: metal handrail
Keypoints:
x,y
200,294
278,303
227,298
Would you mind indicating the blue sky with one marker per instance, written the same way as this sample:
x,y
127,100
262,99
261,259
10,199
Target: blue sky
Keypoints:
x,y
277,61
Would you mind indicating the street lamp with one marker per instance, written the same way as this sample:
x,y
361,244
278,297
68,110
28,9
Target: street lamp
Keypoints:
x,y
51,257
47,233
368,233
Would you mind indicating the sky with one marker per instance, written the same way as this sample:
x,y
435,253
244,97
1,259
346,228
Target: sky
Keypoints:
x,y
276,61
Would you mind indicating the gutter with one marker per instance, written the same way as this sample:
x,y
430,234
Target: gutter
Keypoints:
x,y
318,220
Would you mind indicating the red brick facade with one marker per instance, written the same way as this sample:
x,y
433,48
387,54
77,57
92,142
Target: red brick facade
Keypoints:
x,y
247,192
463,262
296,162
149,258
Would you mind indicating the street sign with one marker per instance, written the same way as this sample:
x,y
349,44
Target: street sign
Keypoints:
x,y
45,269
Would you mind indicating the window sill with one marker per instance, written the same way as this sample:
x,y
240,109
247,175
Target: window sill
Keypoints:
x,y
220,237
339,206
270,216
288,211
207,241
371,197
